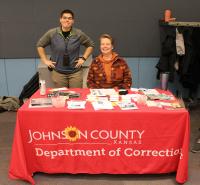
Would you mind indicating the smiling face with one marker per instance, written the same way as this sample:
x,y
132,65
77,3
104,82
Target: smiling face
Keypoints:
x,y
66,21
106,46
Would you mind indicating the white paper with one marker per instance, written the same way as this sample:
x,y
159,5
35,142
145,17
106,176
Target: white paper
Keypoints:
x,y
97,105
40,102
76,104
127,105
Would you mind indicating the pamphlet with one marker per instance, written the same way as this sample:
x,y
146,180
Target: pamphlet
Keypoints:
x,y
76,104
98,105
160,97
40,102
58,89
127,105
102,92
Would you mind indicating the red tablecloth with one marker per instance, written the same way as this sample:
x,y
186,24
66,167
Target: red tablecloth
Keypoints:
x,y
58,140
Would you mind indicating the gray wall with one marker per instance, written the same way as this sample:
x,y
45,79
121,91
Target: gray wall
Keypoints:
x,y
133,23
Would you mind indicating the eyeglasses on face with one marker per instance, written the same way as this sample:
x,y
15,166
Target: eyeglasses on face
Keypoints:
x,y
67,18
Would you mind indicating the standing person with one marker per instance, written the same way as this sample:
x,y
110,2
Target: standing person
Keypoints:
x,y
108,70
196,146
65,42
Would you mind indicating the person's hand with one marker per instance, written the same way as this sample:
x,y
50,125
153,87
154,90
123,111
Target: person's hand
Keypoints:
x,y
50,63
79,62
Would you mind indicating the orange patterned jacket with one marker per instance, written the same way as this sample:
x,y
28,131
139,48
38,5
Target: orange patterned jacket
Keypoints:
x,y
120,75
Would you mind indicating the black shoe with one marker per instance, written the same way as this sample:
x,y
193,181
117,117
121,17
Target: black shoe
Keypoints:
x,y
196,147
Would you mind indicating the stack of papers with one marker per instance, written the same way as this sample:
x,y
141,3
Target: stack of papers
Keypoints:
x,y
127,105
153,104
98,105
114,97
40,102
97,92
174,105
126,98
151,91
58,89
76,104
160,97
96,98
102,92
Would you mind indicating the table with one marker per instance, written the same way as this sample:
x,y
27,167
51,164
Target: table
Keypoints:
x,y
58,140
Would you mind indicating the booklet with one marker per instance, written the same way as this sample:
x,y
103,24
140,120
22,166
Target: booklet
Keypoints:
x,y
160,97
76,104
102,92
99,105
68,94
127,105
40,102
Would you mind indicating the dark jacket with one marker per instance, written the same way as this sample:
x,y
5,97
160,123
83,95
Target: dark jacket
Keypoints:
x,y
168,51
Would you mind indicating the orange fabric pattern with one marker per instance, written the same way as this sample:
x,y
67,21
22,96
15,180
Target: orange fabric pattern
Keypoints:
x,y
113,74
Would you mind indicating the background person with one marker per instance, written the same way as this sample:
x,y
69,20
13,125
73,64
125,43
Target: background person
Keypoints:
x,y
196,146
65,42
108,70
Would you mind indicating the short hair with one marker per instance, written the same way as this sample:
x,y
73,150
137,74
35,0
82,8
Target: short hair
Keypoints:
x,y
67,11
105,35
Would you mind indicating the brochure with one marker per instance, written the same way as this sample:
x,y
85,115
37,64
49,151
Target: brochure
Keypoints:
x,y
76,104
102,92
160,97
98,105
40,102
127,105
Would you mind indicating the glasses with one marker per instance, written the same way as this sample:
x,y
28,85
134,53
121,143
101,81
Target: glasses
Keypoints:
x,y
67,18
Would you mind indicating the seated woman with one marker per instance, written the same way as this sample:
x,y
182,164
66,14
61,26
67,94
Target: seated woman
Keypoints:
x,y
108,70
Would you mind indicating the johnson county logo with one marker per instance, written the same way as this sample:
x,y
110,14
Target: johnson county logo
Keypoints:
x,y
74,134
71,133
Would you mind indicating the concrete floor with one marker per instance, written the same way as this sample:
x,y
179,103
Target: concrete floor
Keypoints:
x,y
7,124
